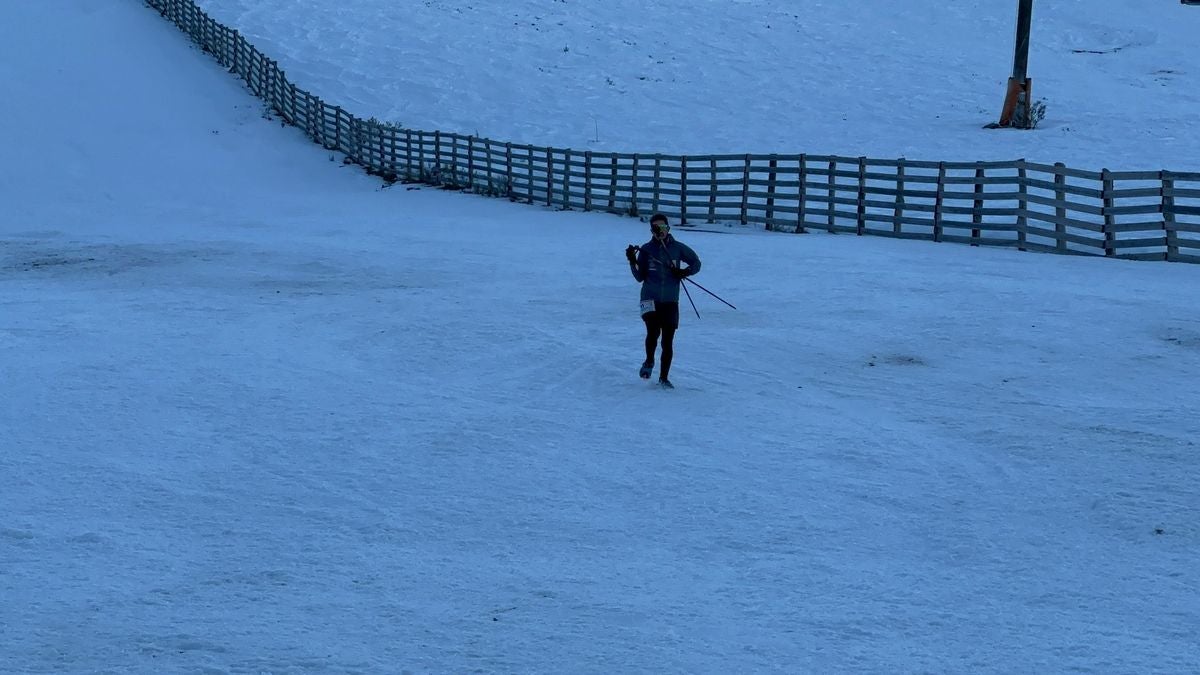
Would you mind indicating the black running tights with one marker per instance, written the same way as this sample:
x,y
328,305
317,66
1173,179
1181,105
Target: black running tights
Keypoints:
x,y
656,327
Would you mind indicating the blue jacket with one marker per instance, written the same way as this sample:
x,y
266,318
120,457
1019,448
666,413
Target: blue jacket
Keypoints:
x,y
653,268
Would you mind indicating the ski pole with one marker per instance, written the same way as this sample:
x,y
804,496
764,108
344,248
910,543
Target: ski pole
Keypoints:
x,y
689,297
706,291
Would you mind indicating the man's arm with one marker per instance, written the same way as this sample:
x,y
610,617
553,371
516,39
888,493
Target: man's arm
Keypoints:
x,y
689,256
638,267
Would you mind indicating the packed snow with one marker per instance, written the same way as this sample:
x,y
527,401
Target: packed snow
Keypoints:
x,y
263,414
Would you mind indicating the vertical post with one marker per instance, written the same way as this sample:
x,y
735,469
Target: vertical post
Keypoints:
x,y
633,197
1022,206
1021,52
289,101
898,213
319,120
801,193
657,184
566,183
471,162
273,84
712,190
1168,209
832,196
1060,207
408,153
683,190
612,185
392,163
862,195
976,213
1110,221
745,190
508,170
337,127
437,154
549,177
772,168
1018,83
587,180
487,154
421,156
454,178
529,172
236,41
938,202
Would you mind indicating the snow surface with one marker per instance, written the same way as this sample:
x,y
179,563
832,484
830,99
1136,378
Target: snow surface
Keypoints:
x,y
880,78
262,415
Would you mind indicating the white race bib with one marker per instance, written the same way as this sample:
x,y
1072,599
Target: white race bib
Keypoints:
x,y
647,306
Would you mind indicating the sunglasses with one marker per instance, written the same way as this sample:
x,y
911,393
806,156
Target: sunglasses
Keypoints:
x,y
660,228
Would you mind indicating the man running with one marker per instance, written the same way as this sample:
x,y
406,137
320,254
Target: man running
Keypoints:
x,y
657,265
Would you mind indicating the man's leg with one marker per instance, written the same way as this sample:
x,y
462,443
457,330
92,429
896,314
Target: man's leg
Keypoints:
x,y
668,351
668,320
652,333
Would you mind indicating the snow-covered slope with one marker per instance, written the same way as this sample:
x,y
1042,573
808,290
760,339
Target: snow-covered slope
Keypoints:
x,y
880,78
260,415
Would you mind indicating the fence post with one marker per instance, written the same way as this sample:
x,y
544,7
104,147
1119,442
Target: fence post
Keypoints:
x,y
454,138
529,172
832,195
745,190
772,167
976,215
897,226
408,157
508,172
236,48
270,69
1110,221
1022,206
657,185
612,186
337,127
712,190
390,134
1168,209
862,195
356,143
549,176
471,162
683,190
1060,208
313,112
801,193
587,180
633,197
437,155
938,201
566,184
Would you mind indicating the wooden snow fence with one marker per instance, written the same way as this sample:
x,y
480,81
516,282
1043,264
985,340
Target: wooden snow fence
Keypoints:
x,y
1142,215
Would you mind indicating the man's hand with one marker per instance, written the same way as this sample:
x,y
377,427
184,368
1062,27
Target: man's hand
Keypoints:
x,y
680,272
631,253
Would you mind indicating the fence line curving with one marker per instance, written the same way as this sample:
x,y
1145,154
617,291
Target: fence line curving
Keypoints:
x,y
1142,215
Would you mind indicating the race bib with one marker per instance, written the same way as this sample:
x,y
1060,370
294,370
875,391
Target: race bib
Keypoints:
x,y
647,306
